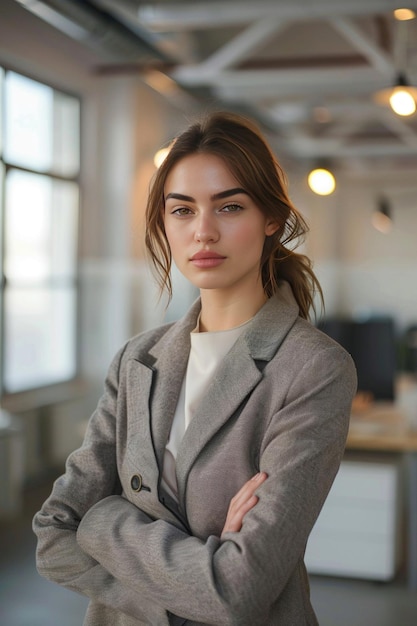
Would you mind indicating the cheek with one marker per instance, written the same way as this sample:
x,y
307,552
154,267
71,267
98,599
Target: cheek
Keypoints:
x,y
177,239
172,234
249,235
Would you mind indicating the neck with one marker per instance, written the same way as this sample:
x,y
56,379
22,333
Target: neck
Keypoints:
x,y
222,313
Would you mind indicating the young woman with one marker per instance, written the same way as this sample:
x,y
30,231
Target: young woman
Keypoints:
x,y
218,437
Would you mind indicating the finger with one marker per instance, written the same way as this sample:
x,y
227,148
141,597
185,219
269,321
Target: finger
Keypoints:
x,y
245,508
242,502
235,520
249,488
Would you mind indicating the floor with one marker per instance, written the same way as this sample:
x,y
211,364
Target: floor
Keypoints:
x,y
28,600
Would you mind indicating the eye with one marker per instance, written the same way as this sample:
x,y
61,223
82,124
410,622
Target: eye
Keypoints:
x,y
232,208
181,211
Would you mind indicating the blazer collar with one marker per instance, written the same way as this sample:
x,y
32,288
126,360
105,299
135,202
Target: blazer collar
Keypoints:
x,y
271,324
263,335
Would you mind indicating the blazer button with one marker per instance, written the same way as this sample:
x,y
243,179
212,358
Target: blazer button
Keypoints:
x,y
136,482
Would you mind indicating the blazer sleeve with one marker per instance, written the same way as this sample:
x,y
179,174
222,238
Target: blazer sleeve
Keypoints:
x,y
91,475
236,580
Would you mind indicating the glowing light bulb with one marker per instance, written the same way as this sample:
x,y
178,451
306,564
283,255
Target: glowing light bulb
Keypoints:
x,y
404,14
321,181
402,102
160,156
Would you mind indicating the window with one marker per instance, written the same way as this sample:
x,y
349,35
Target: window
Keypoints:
x,y
39,200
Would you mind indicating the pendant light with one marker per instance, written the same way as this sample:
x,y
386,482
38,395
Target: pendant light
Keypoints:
x,y
404,15
321,181
160,156
382,216
401,97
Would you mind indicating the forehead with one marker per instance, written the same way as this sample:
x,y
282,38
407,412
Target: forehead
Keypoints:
x,y
200,170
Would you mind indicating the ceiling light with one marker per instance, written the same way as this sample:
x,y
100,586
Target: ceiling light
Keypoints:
x,y
160,156
402,102
402,98
404,14
321,181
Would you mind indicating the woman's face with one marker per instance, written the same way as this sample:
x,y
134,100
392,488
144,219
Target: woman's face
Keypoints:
x,y
214,229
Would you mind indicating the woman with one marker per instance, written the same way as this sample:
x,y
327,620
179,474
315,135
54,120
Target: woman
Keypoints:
x,y
218,437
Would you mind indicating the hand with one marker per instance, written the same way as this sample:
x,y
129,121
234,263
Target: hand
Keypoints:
x,y
242,502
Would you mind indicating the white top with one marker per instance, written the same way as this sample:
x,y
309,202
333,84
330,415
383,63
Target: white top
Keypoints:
x,y
207,351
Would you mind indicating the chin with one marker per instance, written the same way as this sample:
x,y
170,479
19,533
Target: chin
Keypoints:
x,y
208,283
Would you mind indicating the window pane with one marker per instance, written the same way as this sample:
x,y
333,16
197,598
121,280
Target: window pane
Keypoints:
x,y
28,127
40,227
66,135
39,337
41,127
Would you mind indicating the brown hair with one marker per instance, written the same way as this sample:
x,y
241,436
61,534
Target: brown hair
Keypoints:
x,y
239,142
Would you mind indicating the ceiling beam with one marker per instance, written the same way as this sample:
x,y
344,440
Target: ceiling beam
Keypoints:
x,y
240,46
219,13
363,43
307,147
255,85
349,108
398,126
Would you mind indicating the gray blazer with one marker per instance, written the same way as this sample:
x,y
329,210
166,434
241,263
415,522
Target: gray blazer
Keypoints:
x,y
279,402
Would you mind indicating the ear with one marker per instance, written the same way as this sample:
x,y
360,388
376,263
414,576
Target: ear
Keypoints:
x,y
271,227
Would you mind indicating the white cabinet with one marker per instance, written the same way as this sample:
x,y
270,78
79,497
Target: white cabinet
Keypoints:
x,y
358,532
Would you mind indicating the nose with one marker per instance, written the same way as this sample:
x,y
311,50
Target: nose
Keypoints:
x,y
206,229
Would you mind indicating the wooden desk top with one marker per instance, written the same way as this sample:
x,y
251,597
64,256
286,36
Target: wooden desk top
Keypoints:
x,y
381,427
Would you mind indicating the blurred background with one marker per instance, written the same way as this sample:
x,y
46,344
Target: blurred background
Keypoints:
x,y
90,91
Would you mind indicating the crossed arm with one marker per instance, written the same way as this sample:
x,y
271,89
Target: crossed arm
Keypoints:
x,y
106,548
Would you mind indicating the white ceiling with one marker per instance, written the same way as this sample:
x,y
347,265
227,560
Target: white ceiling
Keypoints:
x,y
307,69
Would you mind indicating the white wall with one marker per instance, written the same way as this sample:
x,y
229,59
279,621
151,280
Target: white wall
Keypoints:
x,y
362,270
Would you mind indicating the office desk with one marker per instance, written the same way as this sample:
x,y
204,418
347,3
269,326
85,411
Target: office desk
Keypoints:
x,y
383,428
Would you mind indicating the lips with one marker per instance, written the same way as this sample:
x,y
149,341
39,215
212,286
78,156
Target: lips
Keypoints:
x,y
206,259
206,254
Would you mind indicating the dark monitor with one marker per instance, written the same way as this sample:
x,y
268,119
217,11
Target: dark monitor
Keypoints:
x,y
372,345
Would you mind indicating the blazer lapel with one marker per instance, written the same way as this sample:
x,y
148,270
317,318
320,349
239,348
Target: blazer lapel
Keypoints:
x,y
236,377
140,446
171,357
219,403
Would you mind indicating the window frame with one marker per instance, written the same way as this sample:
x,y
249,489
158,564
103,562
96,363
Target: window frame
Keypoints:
x,y
62,390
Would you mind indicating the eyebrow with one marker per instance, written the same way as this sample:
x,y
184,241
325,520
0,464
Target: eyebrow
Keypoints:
x,y
217,196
